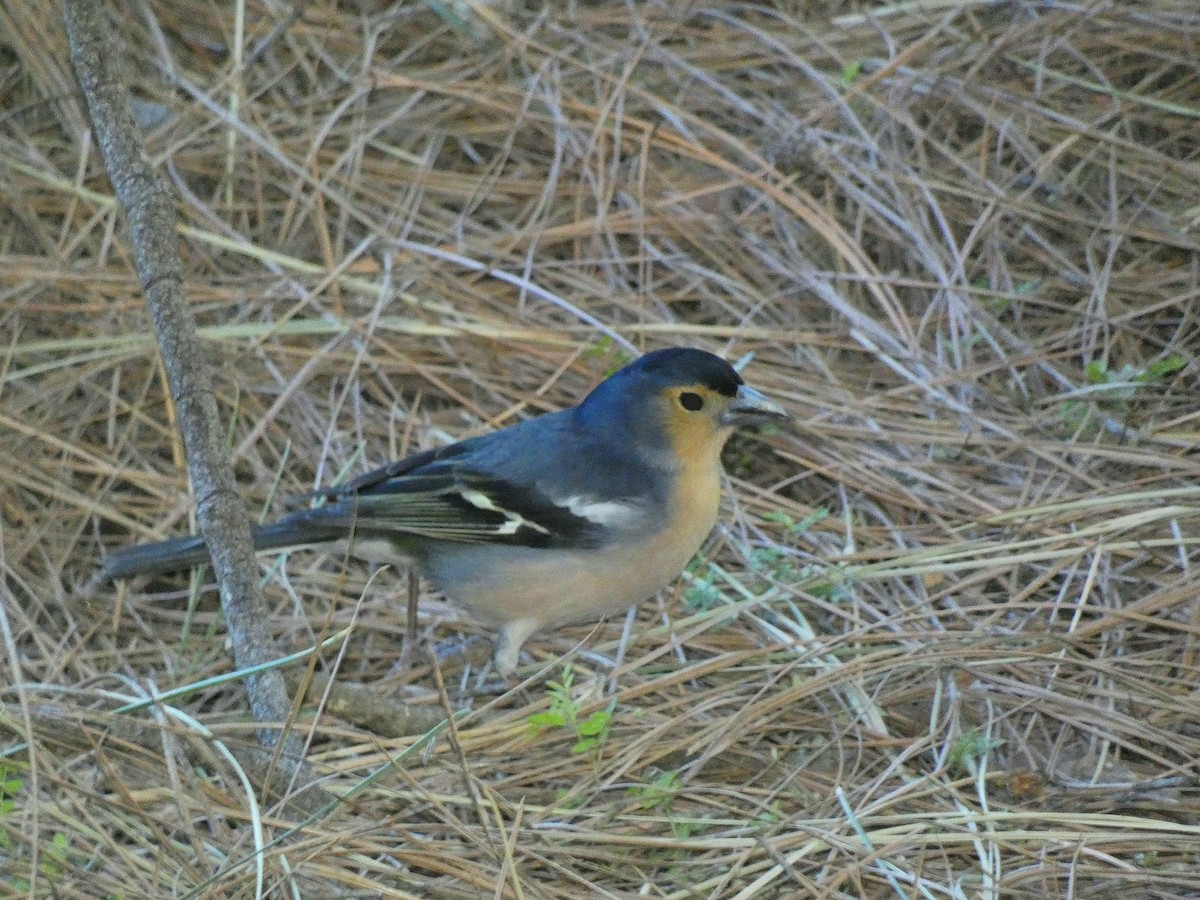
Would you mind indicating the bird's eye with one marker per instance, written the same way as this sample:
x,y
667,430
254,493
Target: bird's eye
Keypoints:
x,y
691,402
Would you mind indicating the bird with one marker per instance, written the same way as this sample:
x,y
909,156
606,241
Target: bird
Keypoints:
x,y
565,517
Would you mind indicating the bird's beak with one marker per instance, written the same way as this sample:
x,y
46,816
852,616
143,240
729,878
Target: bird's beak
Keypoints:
x,y
749,406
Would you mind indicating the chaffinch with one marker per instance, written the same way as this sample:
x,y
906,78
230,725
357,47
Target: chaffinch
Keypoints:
x,y
569,516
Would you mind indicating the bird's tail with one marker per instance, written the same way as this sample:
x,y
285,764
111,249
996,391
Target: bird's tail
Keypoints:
x,y
177,554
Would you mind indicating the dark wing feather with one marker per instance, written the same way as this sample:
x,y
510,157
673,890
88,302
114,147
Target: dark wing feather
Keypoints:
x,y
394,469
433,495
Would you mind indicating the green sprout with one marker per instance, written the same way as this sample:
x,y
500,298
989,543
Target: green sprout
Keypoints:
x,y
590,733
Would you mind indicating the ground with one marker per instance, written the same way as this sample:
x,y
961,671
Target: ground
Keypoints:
x,y
944,641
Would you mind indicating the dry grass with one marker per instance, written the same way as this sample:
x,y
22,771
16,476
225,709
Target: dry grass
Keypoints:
x,y
946,643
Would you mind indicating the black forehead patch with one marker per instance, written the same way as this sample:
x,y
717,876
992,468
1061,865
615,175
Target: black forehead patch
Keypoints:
x,y
684,365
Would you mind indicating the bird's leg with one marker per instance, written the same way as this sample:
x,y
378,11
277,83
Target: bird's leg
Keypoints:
x,y
410,627
509,641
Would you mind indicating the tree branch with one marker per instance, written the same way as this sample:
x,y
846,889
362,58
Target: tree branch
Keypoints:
x,y
150,210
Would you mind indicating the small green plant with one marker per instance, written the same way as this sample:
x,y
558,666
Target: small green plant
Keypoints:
x,y
604,347
55,860
702,593
659,794
773,563
1098,373
769,817
969,748
836,582
776,562
681,829
1110,393
54,856
797,528
10,786
565,799
590,733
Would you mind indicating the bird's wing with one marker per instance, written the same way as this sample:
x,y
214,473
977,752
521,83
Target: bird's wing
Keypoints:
x,y
451,503
445,499
497,489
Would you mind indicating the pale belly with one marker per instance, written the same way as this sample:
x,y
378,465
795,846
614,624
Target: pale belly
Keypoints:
x,y
499,585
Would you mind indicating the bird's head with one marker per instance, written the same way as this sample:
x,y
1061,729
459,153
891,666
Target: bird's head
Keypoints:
x,y
680,400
